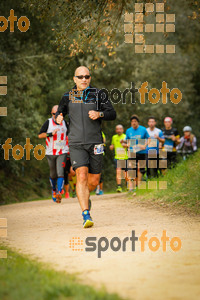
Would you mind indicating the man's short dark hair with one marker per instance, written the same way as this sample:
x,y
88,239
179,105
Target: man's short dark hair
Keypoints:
x,y
134,117
152,118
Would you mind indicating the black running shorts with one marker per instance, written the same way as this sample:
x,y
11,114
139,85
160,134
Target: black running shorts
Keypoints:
x,y
83,155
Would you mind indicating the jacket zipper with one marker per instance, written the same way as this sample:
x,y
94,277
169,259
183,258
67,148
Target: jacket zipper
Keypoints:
x,y
83,122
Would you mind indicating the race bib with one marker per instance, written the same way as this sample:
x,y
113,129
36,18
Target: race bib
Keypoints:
x,y
136,148
58,145
121,152
99,149
168,148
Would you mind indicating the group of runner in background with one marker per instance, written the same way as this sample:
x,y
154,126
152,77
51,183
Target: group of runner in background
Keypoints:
x,y
140,153
147,152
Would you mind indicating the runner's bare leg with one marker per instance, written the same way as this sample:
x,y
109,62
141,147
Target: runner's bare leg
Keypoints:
x,y
139,178
86,183
82,189
93,181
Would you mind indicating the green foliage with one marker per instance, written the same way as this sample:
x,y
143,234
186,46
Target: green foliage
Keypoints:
x,y
22,278
79,25
182,185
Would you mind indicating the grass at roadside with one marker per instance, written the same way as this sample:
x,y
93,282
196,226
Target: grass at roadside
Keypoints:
x,y
183,184
22,278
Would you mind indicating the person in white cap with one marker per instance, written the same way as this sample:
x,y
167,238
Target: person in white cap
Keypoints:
x,y
172,139
188,143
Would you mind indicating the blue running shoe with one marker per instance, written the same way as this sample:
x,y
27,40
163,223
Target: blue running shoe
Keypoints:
x,y
54,195
87,220
100,192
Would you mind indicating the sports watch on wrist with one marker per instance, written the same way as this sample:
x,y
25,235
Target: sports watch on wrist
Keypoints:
x,y
49,134
101,114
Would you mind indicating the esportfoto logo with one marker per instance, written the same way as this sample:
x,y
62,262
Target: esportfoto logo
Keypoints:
x,y
23,23
116,244
116,96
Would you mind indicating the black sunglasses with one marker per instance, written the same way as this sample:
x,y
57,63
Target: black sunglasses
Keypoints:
x,y
82,76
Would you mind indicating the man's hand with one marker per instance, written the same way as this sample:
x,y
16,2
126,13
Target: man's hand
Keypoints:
x,y
124,143
55,131
111,147
173,137
94,115
59,118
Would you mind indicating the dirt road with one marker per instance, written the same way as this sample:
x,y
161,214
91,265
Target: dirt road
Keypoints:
x,y
44,229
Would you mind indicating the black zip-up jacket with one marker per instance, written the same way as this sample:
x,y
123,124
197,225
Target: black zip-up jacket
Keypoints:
x,y
83,130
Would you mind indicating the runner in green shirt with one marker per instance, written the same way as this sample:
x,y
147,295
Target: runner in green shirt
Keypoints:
x,y
120,154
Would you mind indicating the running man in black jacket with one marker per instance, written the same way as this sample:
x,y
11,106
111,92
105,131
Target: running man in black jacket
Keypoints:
x,y
86,107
